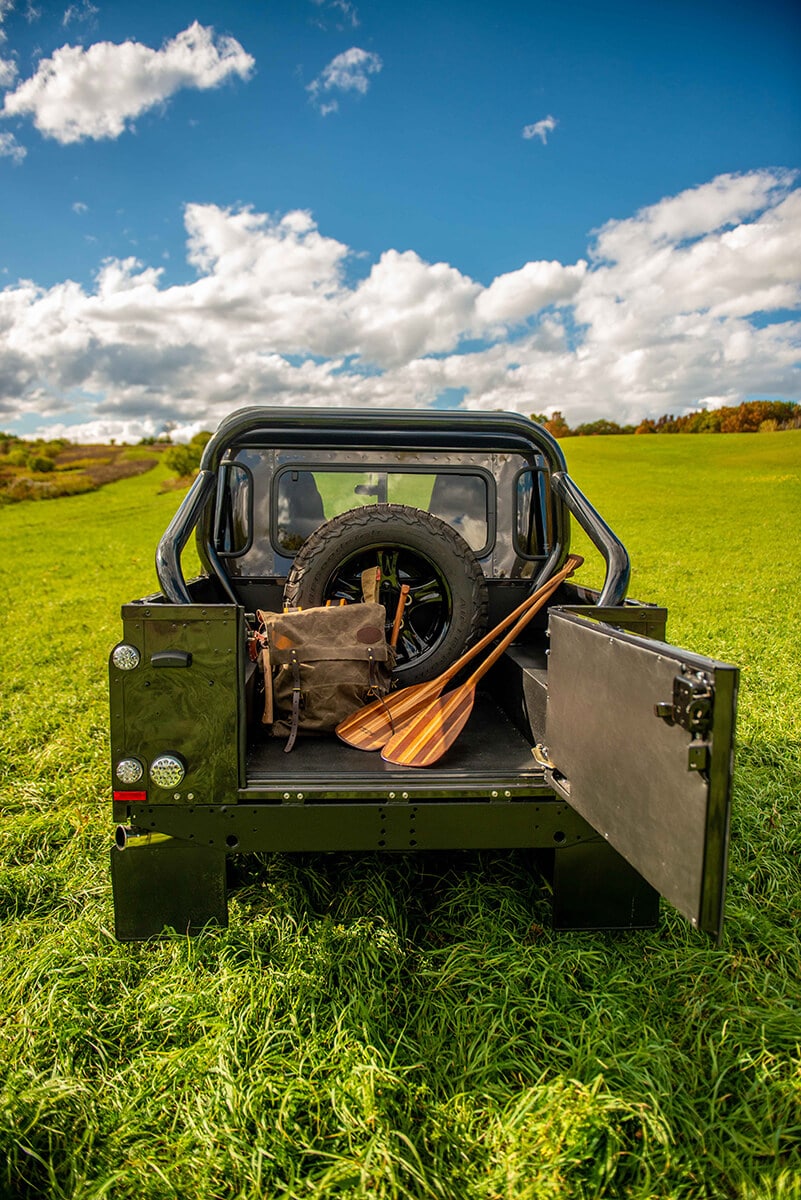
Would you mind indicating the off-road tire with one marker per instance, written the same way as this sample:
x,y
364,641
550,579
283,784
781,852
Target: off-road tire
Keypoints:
x,y
447,611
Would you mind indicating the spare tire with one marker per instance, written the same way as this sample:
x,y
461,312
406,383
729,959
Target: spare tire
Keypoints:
x,y
446,609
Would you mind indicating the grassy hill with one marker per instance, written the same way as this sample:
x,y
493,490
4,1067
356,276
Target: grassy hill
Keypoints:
x,y
47,471
378,1026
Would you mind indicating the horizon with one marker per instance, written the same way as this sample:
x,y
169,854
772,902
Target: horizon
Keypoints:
x,y
596,212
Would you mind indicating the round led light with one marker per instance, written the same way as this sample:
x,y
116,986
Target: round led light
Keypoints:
x,y
129,770
167,771
125,657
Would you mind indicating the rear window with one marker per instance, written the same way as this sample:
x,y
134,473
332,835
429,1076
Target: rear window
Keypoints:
x,y
304,498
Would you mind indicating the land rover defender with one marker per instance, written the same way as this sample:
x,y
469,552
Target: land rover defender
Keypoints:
x,y
591,739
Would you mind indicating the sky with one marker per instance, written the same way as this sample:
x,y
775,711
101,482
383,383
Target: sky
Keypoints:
x,y
590,207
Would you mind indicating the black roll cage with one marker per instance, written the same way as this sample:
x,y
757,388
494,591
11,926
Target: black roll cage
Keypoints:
x,y
408,429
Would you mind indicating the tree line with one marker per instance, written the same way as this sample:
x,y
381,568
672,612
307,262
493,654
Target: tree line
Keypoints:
x,y
752,416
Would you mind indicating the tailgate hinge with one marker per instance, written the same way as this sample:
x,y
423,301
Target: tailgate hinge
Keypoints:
x,y
553,776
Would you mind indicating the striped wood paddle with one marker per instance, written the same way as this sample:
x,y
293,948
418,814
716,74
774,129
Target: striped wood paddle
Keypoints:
x,y
371,727
422,740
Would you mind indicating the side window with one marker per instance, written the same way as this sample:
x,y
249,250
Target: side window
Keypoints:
x,y
531,523
298,509
461,501
232,516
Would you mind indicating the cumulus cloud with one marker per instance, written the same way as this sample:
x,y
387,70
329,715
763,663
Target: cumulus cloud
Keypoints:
x,y
97,92
517,295
348,72
540,129
684,303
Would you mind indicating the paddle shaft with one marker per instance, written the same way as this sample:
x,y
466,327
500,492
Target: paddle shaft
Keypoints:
x,y
545,590
542,594
425,737
369,727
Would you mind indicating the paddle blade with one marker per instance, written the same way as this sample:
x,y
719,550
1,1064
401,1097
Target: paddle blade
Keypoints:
x,y
423,739
371,727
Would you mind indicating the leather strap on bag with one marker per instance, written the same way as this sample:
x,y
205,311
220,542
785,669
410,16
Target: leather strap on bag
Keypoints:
x,y
295,718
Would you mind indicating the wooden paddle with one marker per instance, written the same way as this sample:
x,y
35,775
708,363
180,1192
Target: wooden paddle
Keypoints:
x,y
423,739
371,727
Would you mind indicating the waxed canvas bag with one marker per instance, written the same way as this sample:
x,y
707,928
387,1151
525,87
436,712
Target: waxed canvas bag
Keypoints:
x,y
320,665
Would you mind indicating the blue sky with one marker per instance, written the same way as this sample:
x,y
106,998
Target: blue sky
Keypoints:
x,y
590,207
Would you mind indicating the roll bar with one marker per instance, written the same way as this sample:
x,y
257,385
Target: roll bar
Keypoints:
x,y
618,563
177,534
432,428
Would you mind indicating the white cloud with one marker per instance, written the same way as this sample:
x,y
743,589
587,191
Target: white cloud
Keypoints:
x,y
345,13
80,208
96,92
85,11
348,72
8,68
8,72
10,148
513,297
672,309
540,129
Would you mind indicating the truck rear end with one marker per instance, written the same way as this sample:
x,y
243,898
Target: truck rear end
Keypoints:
x,y
290,507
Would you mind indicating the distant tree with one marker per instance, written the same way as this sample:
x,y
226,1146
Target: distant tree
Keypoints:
x,y
184,460
599,428
557,426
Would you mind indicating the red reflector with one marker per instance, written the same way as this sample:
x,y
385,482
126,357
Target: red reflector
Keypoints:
x,y
127,797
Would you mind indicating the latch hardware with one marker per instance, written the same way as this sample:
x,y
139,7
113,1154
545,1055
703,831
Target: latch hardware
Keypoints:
x,y
691,708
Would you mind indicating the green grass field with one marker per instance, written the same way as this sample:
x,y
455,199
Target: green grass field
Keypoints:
x,y
389,1026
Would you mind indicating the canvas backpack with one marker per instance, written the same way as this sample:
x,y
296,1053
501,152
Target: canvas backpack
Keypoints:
x,y
320,665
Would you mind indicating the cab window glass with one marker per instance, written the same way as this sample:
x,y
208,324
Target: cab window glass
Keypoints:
x,y
531,515
232,524
305,499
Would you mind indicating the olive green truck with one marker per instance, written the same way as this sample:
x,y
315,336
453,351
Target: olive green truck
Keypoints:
x,y
592,741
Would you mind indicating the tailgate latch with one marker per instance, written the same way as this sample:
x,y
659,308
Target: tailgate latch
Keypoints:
x,y
691,707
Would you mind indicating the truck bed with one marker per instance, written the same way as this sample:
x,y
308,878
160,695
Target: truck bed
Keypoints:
x,y
491,755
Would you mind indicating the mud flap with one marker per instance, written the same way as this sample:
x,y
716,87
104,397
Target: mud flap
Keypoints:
x,y
167,886
595,888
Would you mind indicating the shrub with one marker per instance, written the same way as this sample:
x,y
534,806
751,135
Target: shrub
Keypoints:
x,y
25,488
182,460
185,460
39,463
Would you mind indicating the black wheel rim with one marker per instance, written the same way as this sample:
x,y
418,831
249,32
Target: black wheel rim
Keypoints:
x,y
428,611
